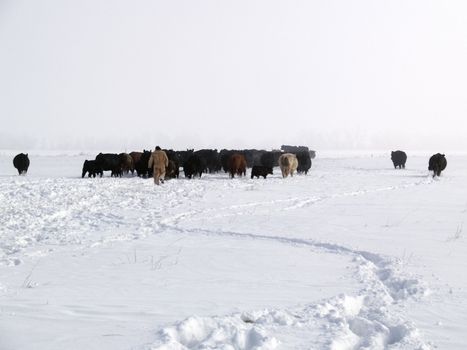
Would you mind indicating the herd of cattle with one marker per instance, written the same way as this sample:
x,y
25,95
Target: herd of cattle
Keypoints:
x,y
290,159
195,163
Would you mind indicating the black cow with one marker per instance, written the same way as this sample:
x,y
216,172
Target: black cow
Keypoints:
x,y
260,170
183,156
267,159
193,166
224,156
21,163
304,162
173,169
211,160
257,154
109,161
294,149
92,168
270,159
398,159
249,155
437,164
141,164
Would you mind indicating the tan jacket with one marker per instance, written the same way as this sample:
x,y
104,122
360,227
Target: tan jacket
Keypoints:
x,y
158,160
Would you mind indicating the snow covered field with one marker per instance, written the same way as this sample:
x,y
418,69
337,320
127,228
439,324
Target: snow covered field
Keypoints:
x,y
355,255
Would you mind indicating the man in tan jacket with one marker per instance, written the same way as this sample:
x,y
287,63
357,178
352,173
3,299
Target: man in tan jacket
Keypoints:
x,y
158,162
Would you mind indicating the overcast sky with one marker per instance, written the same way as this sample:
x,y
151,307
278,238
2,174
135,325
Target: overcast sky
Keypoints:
x,y
328,74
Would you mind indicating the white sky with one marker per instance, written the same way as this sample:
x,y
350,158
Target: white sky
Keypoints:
x,y
329,74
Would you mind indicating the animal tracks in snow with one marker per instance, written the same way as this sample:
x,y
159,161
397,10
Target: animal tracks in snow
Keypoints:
x,y
369,320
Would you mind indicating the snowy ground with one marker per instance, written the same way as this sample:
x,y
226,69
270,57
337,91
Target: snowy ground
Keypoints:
x,y
355,255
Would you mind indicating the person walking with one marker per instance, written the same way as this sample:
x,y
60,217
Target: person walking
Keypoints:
x,y
158,162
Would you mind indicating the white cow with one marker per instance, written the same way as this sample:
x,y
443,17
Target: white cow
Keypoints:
x,y
288,163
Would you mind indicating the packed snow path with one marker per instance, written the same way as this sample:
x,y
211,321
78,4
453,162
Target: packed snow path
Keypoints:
x,y
356,255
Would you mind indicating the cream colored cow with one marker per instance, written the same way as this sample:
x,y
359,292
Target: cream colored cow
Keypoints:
x,y
288,163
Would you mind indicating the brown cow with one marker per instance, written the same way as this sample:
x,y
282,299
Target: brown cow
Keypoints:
x,y
288,163
126,162
158,161
136,156
237,165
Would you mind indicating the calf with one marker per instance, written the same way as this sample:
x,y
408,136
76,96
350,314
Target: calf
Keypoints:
x,y
92,168
259,170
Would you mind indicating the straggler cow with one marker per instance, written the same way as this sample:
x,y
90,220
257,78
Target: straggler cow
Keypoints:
x,y
158,162
259,170
398,159
92,168
437,164
21,163
237,165
288,163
